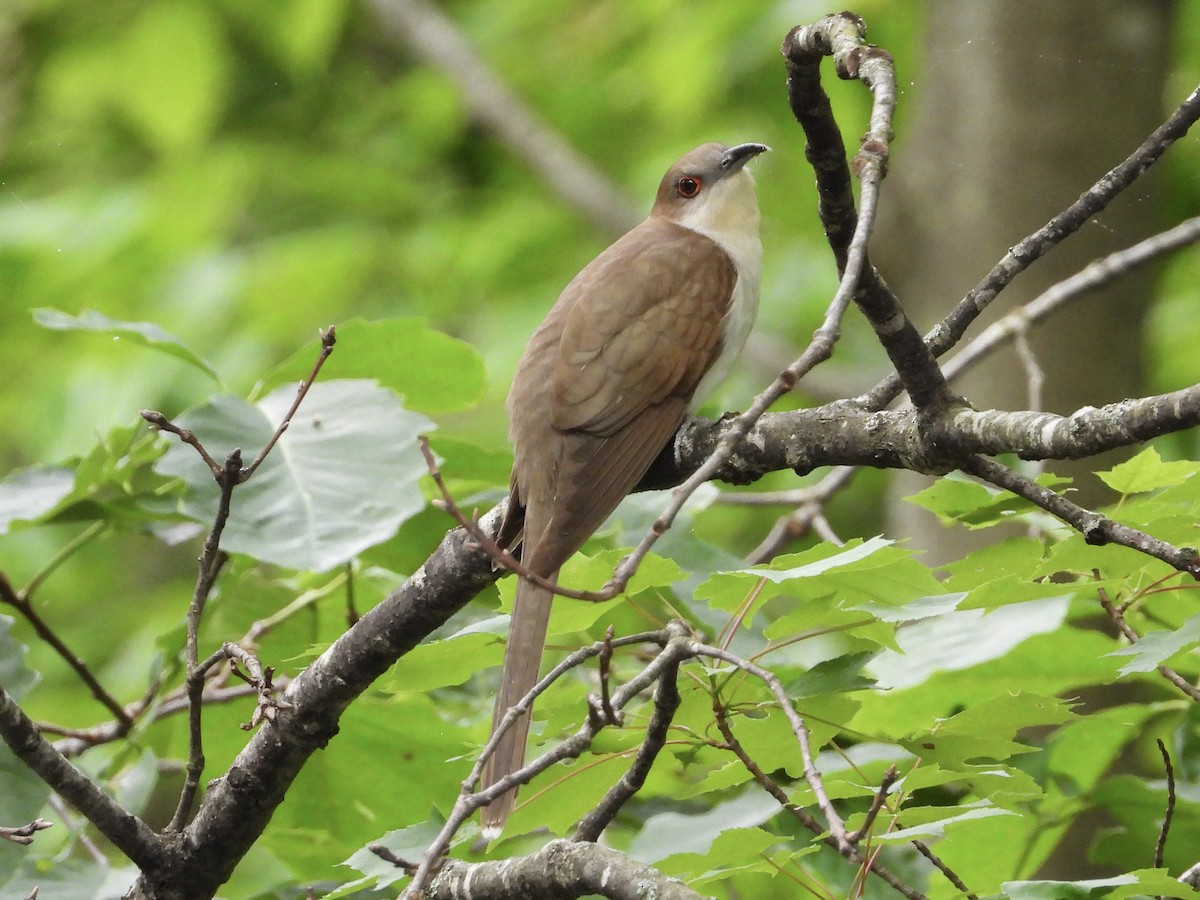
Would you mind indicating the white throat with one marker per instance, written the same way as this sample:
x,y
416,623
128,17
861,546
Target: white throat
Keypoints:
x,y
729,215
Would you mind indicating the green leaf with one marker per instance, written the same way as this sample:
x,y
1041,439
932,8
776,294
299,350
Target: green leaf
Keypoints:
x,y
955,499
983,731
842,673
342,478
854,552
445,663
668,833
465,461
144,334
1147,472
936,827
24,793
30,494
15,677
735,850
1141,883
406,843
873,571
114,482
432,371
1156,647
590,573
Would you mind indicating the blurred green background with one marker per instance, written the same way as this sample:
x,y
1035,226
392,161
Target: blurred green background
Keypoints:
x,y
244,172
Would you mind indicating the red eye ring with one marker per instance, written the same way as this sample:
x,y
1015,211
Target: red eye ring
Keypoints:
x,y
688,186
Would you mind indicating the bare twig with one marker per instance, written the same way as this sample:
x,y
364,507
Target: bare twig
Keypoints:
x,y
666,702
389,857
675,643
842,37
21,602
768,784
1161,844
837,830
258,677
23,834
603,663
877,802
210,563
1092,277
950,330
809,514
1095,528
212,560
159,422
950,875
328,339
75,741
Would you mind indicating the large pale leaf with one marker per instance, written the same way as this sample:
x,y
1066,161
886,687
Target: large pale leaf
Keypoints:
x,y
342,478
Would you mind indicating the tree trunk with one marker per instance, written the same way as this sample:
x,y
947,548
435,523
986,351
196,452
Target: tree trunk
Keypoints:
x,y
1021,106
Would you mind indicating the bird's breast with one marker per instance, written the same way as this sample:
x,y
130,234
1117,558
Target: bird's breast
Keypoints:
x,y
745,249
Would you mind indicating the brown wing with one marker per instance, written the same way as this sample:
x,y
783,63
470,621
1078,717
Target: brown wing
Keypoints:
x,y
607,378
644,326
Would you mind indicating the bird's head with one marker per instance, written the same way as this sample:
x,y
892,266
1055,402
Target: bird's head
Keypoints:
x,y
710,190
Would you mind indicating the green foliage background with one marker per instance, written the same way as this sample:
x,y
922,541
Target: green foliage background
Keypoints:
x,y
243,172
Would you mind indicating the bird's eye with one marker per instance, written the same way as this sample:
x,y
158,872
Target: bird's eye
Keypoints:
x,y
688,186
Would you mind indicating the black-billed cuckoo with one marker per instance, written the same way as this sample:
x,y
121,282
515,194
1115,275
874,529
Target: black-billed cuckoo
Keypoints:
x,y
634,340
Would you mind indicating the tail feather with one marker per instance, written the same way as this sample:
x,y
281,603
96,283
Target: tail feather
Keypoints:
x,y
522,660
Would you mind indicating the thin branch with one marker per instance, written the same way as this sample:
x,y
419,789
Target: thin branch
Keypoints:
x,y
75,741
843,37
328,339
950,875
1095,528
1095,275
129,833
877,803
666,702
159,422
211,561
1095,199
769,785
20,601
259,678
809,514
837,831
675,643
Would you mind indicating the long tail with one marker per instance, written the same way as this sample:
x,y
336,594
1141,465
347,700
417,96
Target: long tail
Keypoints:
x,y
522,659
